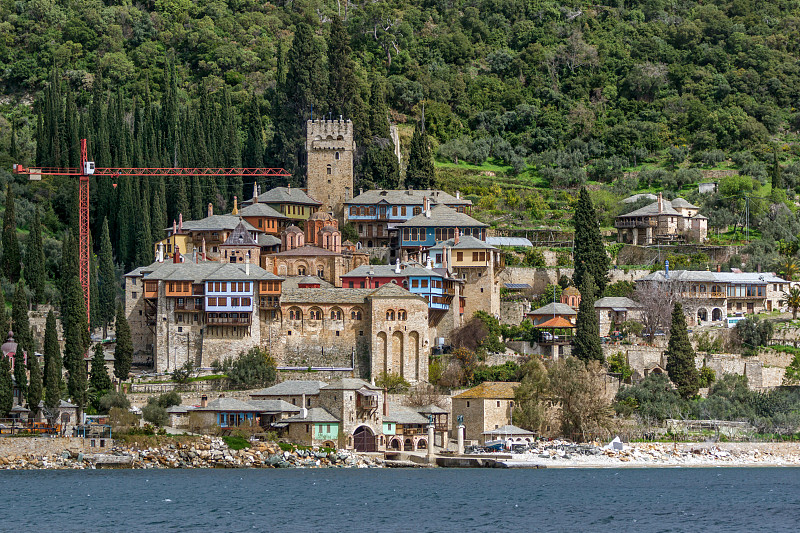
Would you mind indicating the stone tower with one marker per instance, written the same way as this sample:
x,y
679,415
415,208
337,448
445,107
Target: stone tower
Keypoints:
x,y
330,147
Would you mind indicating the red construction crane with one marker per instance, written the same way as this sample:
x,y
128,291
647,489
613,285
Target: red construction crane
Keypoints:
x,y
88,169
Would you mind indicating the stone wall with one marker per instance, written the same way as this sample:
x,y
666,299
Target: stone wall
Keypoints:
x,y
330,146
513,312
139,399
539,278
40,446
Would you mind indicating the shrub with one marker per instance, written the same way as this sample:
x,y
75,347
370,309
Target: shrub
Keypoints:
x,y
254,368
113,399
155,414
393,383
617,364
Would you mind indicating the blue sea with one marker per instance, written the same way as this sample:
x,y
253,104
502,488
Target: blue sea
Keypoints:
x,y
570,500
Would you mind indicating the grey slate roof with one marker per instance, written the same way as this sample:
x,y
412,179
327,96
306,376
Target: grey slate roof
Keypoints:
x,y
652,209
237,272
751,278
291,283
616,302
274,406
385,271
637,197
349,384
329,295
265,239
314,415
509,430
465,242
216,223
179,409
259,210
400,414
202,271
291,388
228,404
508,241
407,197
430,409
554,309
442,216
680,202
391,290
286,195
240,237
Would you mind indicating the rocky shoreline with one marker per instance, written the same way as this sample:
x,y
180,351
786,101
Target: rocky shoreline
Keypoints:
x,y
206,452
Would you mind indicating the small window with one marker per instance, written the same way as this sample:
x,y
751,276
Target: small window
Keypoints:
x,y
133,294
498,403
467,403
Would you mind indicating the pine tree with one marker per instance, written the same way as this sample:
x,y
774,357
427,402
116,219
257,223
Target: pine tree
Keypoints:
x,y
99,380
107,282
52,363
34,260
341,71
6,387
11,253
35,385
123,353
419,174
589,254
587,337
680,356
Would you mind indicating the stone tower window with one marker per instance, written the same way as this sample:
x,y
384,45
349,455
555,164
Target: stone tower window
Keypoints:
x,y
337,156
329,169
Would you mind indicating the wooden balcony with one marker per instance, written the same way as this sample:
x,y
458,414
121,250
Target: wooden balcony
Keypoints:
x,y
189,306
269,303
214,319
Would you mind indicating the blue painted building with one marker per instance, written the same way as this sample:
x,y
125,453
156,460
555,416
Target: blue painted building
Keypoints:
x,y
436,288
436,225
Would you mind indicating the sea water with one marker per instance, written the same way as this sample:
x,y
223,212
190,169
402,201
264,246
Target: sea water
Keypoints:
x,y
387,500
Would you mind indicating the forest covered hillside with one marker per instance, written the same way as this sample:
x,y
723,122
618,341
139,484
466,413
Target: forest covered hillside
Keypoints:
x,y
523,102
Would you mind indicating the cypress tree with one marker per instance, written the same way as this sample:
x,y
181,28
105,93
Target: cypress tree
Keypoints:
x,y
19,318
378,112
5,322
253,155
341,71
144,243
107,282
589,254
126,224
419,174
99,380
123,352
76,341
197,200
35,385
34,260
680,356
11,253
587,337
52,363
21,374
6,387
158,212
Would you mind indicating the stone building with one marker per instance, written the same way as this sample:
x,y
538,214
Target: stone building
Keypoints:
x,y
613,311
718,296
484,408
330,146
662,221
360,407
197,311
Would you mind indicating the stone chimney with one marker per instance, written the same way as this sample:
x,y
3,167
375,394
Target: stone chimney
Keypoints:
x,y
174,227
445,250
247,264
204,249
203,401
210,209
385,403
160,253
176,257
455,239
458,195
660,203
303,409
719,268
425,204
180,223
255,192
397,266
235,207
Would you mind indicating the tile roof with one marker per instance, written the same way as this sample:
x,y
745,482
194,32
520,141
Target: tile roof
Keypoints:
x,y
557,322
386,271
216,223
407,197
265,239
442,216
240,237
291,388
228,404
490,390
274,406
554,309
616,301
330,295
313,415
391,290
680,202
751,278
400,414
509,430
286,195
306,250
291,282
259,210
349,384
237,271
465,242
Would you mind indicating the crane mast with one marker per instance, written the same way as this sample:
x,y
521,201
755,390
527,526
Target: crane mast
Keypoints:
x,y
87,169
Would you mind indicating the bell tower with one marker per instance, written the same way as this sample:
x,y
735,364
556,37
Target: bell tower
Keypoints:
x,y
330,147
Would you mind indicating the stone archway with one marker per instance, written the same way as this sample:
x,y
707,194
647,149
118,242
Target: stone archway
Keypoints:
x,y
702,315
383,351
396,443
413,344
397,354
716,314
363,439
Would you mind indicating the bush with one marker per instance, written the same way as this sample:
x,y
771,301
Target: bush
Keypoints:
x,y
707,376
113,399
166,400
183,374
121,419
155,414
618,364
252,369
393,383
753,333
653,398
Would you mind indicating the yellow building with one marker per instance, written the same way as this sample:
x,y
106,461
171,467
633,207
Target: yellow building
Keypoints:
x,y
288,201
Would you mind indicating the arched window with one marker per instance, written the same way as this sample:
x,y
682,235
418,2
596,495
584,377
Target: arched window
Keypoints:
x,y
320,272
315,314
405,284
355,314
336,314
401,314
301,271
295,314
389,315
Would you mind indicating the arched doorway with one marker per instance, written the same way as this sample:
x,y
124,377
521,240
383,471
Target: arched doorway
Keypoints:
x,y
702,315
396,444
422,444
716,314
363,439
